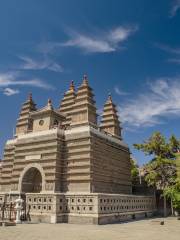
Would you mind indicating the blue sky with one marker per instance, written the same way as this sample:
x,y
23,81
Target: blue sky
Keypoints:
x,y
130,48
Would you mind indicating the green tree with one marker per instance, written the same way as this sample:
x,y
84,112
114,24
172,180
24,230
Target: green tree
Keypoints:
x,y
134,169
161,170
173,193
174,144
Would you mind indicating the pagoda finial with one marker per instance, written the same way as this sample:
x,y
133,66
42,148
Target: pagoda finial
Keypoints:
x,y
110,97
49,104
85,79
30,96
71,85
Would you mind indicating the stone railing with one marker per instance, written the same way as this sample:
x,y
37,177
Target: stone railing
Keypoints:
x,y
81,207
89,203
125,203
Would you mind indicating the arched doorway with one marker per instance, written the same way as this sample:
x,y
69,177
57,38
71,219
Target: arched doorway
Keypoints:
x,y
32,181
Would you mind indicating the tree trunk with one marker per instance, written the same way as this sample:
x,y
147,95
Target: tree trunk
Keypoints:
x,y
165,209
172,209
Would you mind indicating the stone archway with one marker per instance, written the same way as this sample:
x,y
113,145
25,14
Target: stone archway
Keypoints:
x,y
32,179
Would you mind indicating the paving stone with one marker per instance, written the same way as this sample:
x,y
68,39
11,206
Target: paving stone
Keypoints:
x,y
140,230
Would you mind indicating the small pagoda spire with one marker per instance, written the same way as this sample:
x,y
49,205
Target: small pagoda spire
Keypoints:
x,y
72,88
49,104
84,109
24,122
30,96
110,120
109,97
85,80
66,104
49,101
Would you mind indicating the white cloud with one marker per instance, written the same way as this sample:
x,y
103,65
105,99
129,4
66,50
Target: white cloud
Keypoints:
x,y
10,91
160,101
175,8
120,34
32,64
99,42
173,51
14,79
89,44
120,92
168,49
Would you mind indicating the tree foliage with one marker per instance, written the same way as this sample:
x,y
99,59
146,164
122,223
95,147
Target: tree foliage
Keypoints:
x,y
161,170
160,173
173,192
134,169
157,146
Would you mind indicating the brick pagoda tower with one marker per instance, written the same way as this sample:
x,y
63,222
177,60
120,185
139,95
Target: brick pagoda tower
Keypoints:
x,y
67,167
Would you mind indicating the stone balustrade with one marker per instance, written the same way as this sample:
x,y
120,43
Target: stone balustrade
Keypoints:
x,y
89,205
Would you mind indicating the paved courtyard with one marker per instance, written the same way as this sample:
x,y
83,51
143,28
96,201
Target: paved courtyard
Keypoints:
x,y
143,229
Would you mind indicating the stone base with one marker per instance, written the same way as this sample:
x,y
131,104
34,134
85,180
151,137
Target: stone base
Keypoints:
x,y
90,208
87,208
7,224
75,219
39,218
101,219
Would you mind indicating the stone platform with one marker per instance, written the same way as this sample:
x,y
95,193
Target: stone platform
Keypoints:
x,y
90,208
